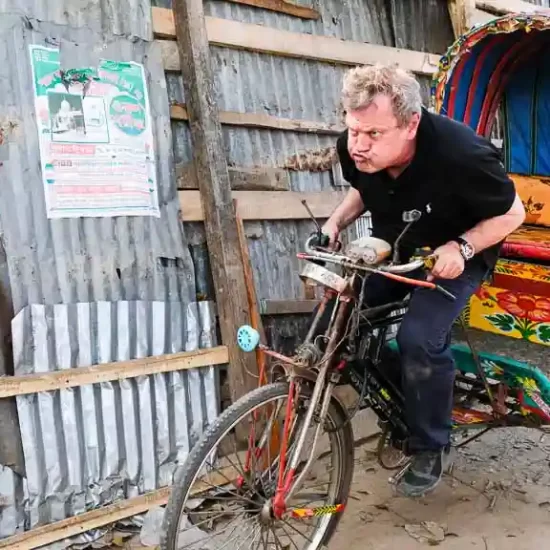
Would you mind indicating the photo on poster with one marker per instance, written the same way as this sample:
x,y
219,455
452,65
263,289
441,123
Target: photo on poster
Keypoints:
x,y
74,119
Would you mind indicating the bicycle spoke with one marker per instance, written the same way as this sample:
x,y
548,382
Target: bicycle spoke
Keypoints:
x,y
290,538
297,531
240,516
202,539
277,539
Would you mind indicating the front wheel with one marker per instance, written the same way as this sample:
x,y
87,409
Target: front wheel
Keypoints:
x,y
227,506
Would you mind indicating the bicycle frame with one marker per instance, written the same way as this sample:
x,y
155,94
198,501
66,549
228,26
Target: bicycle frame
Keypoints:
x,y
287,484
323,373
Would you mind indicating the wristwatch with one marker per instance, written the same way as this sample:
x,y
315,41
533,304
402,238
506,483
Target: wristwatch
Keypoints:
x,y
466,249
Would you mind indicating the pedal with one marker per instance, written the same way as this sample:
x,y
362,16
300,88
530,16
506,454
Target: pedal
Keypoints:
x,y
394,480
300,513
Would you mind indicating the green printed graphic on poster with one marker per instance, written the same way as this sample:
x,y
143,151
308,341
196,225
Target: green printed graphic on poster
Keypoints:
x,y
96,139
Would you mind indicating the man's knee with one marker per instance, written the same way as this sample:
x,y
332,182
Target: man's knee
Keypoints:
x,y
420,346
418,338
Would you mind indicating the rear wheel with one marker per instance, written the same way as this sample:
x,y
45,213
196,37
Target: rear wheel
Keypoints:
x,y
222,493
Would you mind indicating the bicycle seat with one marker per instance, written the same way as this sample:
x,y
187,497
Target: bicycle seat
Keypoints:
x,y
370,250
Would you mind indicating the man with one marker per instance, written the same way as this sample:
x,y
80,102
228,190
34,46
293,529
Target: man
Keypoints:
x,y
398,157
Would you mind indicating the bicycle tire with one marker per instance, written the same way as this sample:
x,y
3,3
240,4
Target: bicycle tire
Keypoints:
x,y
186,473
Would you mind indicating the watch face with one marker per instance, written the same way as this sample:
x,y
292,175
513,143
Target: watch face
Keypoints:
x,y
467,250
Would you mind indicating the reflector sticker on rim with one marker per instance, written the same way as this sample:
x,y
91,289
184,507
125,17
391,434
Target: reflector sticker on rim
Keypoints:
x,y
316,512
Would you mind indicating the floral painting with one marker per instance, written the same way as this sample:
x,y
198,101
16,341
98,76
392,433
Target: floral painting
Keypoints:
x,y
510,313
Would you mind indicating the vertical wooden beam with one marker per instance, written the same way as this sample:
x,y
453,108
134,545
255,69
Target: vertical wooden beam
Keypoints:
x,y
215,189
256,318
462,14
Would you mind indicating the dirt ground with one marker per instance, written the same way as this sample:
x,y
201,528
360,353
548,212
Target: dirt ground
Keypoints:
x,y
497,496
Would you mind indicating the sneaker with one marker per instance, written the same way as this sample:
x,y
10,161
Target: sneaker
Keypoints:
x,y
424,473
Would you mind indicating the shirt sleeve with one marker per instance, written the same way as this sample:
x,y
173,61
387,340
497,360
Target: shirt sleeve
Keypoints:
x,y
487,191
349,170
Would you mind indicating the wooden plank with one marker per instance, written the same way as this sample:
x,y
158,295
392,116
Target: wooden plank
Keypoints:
x,y
259,38
502,7
267,205
108,372
260,120
249,178
461,12
480,17
214,195
106,515
255,317
281,6
70,527
287,307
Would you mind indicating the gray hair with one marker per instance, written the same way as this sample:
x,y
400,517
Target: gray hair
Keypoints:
x,y
362,84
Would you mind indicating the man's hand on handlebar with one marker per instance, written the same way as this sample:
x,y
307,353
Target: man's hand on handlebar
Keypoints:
x,y
449,263
332,231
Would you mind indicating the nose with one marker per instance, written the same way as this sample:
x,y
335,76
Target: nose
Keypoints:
x,y
362,144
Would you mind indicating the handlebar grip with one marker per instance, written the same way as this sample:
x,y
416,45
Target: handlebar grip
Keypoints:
x,y
321,240
324,240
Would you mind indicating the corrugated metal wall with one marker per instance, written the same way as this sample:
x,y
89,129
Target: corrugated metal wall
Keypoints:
x,y
94,290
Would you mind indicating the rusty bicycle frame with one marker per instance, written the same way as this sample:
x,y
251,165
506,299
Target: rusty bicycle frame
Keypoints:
x,y
322,370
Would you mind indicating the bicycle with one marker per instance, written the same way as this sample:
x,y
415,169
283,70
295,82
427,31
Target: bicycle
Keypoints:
x,y
490,392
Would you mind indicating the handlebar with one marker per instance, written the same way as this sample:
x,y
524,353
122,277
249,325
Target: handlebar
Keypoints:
x,y
319,252
322,253
318,243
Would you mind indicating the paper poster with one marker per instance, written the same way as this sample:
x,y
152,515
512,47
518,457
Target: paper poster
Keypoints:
x,y
96,139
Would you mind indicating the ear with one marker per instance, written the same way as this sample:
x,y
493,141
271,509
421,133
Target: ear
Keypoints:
x,y
412,126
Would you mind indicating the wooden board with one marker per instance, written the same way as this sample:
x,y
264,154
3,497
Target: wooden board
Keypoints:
x,y
480,17
462,14
70,378
282,7
260,38
260,120
502,7
249,178
106,515
267,205
215,202
87,521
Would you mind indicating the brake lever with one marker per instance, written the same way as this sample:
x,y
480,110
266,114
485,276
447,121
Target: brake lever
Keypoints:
x,y
445,292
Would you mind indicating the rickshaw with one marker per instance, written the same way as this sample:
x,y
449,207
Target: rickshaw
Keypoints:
x,y
496,79
501,62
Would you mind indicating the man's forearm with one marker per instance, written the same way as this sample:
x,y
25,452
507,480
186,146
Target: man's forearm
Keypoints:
x,y
491,231
348,210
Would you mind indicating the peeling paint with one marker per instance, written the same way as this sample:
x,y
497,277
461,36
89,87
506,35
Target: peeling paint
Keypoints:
x,y
319,160
8,128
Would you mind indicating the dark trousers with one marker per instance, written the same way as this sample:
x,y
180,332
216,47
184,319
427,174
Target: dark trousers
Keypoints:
x,y
427,366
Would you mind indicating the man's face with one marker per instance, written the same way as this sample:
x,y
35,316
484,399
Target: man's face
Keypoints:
x,y
375,140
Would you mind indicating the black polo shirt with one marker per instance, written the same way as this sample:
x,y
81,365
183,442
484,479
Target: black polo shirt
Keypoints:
x,y
456,179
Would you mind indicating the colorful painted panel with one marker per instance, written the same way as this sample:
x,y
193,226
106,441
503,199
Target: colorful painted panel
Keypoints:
x,y
502,61
528,242
473,45
522,277
534,192
509,313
